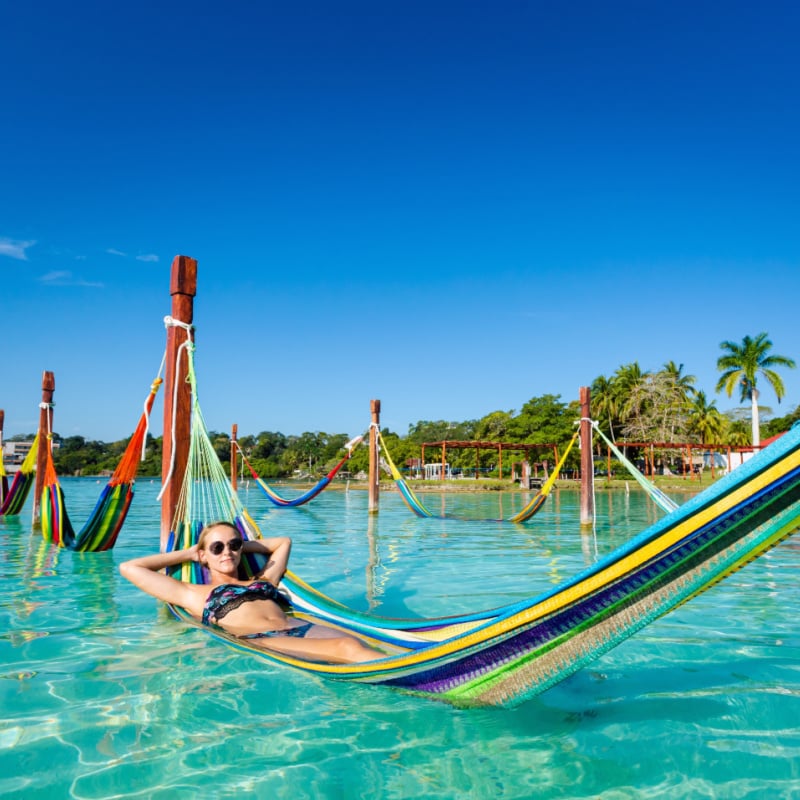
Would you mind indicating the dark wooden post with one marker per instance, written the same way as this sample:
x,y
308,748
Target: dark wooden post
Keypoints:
x,y
587,462
234,459
45,429
183,288
374,467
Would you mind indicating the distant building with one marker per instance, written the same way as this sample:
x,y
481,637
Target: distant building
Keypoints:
x,y
14,454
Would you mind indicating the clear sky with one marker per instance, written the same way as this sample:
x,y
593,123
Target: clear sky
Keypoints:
x,y
449,206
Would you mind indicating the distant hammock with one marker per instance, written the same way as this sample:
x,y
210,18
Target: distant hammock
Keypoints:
x,y
284,502
14,497
103,526
524,514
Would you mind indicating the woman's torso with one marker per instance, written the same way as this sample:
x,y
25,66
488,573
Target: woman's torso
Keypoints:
x,y
242,608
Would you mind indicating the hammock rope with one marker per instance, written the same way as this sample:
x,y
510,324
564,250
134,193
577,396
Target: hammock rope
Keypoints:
x,y
102,528
656,495
323,483
418,507
21,484
206,494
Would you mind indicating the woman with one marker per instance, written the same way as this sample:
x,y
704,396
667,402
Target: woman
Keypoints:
x,y
246,609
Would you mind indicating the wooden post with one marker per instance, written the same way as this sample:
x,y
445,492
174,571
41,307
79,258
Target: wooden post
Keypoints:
x,y
374,468
45,442
525,477
183,288
587,462
234,459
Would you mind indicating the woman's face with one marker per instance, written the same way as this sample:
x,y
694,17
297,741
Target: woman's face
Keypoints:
x,y
222,546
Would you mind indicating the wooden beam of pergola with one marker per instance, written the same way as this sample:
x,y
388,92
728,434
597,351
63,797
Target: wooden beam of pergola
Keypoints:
x,y
525,447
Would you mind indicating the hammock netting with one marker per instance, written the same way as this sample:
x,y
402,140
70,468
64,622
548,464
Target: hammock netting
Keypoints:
x,y
14,497
206,494
294,502
506,655
525,513
105,522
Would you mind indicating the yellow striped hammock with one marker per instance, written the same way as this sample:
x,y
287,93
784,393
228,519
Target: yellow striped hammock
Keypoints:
x,y
506,655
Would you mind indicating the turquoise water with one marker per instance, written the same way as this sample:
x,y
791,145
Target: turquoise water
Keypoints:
x,y
104,695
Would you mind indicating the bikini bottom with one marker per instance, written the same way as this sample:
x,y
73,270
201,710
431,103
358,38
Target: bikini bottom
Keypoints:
x,y
299,632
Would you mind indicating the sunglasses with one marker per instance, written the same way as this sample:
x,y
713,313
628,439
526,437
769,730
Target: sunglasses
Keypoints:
x,y
216,548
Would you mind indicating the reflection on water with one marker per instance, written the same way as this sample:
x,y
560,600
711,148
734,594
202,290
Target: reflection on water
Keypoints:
x,y
104,694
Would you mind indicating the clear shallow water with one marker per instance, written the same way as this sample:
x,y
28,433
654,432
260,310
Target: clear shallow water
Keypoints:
x,y
103,695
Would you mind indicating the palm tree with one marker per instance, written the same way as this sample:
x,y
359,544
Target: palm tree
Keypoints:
x,y
741,364
685,383
629,381
705,421
605,401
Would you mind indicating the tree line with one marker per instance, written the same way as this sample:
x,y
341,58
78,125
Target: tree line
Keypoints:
x,y
632,404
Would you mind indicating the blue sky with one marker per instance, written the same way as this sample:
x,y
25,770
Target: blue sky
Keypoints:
x,y
453,207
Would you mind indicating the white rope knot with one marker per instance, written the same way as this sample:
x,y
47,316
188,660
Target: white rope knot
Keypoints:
x,y
46,405
171,322
350,446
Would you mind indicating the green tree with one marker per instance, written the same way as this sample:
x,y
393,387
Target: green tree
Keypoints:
x,y
705,423
494,427
606,404
741,364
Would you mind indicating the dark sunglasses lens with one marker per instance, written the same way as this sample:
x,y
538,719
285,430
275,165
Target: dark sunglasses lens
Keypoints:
x,y
216,548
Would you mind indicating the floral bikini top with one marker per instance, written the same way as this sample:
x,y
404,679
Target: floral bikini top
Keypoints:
x,y
228,596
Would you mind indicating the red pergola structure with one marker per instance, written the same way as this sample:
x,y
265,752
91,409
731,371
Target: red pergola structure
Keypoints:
x,y
688,447
478,446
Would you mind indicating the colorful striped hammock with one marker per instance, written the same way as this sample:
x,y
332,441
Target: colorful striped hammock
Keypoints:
x,y
324,482
417,506
105,522
14,499
506,655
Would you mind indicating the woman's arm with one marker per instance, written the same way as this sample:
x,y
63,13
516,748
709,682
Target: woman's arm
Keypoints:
x,y
277,549
144,573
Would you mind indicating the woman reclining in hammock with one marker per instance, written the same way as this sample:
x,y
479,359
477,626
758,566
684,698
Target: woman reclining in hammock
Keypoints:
x,y
248,610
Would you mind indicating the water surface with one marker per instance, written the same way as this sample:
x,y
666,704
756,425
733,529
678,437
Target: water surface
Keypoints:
x,y
104,695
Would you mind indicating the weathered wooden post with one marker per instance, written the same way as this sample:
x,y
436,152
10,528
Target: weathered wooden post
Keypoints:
x,y
177,392
587,462
45,439
374,467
